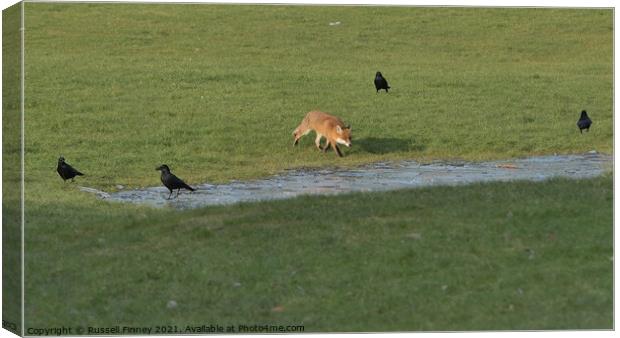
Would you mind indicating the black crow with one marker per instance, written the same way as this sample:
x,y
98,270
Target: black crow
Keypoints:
x,y
172,182
381,82
584,122
66,171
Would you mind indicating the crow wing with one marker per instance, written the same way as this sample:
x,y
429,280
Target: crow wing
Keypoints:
x,y
584,123
173,182
66,171
74,171
381,83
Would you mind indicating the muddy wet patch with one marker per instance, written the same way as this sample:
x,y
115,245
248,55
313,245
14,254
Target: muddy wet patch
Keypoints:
x,y
374,177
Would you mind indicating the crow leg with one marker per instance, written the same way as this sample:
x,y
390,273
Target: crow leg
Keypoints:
x,y
169,195
178,191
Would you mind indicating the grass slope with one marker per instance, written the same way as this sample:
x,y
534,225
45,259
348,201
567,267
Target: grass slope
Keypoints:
x,y
488,256
215,91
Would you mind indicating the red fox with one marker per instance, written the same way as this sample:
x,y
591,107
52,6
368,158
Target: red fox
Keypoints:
x,y
325,125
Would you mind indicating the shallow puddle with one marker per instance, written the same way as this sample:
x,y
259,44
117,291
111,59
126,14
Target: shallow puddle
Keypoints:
x,y
374,177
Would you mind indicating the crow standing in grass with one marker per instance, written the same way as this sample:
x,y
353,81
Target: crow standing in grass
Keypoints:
x,y
584,122
172,182
66,171
381,82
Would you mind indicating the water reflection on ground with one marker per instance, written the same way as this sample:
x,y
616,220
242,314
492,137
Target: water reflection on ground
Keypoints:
x,y
374,177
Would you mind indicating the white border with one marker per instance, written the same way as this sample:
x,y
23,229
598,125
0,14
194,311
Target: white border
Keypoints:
x,y
441,3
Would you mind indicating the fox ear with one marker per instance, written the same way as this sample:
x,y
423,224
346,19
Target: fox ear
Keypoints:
x,y
338,129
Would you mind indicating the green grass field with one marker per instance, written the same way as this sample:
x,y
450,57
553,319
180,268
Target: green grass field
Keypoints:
x,y
495,256
215,91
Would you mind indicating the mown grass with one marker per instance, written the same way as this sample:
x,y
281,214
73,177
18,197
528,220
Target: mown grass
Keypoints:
x,y
487,256
215,91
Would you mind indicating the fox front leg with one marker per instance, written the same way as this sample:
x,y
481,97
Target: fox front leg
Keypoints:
x,y
336,149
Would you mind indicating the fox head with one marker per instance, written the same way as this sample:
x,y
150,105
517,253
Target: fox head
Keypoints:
x,y
344,135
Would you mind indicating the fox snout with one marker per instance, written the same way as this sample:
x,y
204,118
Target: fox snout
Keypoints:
x,y
344,141
349,141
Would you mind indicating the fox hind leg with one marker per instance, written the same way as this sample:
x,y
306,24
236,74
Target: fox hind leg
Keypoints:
x,y
317,141
327,143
